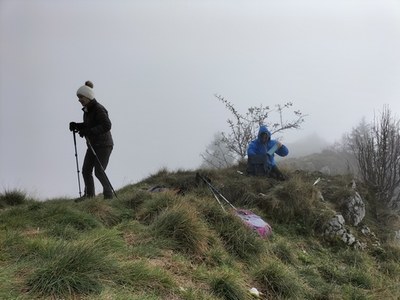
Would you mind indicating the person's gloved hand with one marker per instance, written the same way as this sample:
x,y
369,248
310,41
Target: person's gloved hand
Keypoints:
x,y
76,126
72,126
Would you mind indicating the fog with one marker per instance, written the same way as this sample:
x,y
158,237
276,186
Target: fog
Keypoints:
x,y
156,66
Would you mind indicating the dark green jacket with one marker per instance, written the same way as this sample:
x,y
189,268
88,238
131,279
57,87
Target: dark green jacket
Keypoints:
x,y
97,124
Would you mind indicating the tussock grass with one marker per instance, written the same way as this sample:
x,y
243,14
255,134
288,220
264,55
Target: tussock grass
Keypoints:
x,y
356,259
71,268
319,288
332,274
387,252
360,278
185,180
63,215
154,206
390,268
102,211
12,198
64,221
336,189
182,225
341,275
140,241
65,232
229,287
54,216
15,218
139,276
238,239
284,251
278,281
132,198
218,257
16,246
294,202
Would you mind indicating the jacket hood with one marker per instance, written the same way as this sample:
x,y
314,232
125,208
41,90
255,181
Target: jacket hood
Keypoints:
x,y
263,129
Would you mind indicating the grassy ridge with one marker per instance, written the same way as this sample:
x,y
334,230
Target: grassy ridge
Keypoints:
x,y
166,246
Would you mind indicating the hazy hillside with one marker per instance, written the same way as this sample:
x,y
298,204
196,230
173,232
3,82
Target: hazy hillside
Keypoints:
x,y
177,243
314,154
327,161
307,145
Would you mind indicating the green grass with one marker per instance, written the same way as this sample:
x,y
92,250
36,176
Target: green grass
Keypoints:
x,y
71,268
166,246
229,287
184,228
278,280
12,198
139,276
102,211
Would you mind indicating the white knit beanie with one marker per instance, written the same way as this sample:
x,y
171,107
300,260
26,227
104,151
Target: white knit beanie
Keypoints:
x,y
86,91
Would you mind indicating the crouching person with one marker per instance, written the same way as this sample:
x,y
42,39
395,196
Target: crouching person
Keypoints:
x,y
261,153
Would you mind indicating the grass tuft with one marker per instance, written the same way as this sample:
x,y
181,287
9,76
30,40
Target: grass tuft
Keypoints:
x,y
279,281
227,287
64,215
184,228
295,202
71,268
102,211
139,276
155,205
12,198
132,198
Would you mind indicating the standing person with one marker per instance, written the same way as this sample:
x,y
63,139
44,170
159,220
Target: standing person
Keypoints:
x,y
95,128
260,154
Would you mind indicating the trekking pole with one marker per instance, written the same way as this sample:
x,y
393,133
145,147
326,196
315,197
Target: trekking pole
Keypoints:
x,y
77,164
215,191
101,166
215,196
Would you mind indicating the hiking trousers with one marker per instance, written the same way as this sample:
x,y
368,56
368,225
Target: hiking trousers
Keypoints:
x,y
90,162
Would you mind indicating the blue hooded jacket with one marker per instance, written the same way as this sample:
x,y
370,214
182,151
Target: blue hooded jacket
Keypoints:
x,y
265,151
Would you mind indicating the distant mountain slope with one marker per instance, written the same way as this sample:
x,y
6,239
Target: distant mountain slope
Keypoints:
x,y
310,144
313,153
327,161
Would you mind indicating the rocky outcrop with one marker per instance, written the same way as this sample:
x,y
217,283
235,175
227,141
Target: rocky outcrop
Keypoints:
x,y
336,228
354,209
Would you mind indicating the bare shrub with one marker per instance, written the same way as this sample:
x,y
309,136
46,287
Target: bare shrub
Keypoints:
x,y
377,150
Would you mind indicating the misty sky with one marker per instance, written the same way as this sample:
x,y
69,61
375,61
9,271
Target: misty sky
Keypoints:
x,y
157,64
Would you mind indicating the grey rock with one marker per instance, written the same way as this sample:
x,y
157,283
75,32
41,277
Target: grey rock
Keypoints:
x,y
336,228
354,209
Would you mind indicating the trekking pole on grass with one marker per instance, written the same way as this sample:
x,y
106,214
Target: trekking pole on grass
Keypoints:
x,y
216,192
77,164
101,166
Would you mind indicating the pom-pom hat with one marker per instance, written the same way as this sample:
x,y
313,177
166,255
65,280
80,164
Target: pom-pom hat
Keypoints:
x,y
86,90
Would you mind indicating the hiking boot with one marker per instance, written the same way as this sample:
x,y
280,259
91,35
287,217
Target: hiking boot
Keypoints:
x,y
108,196
84,197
